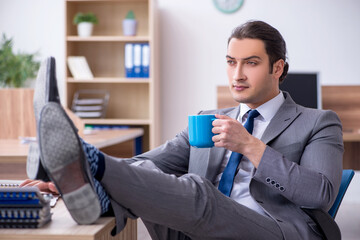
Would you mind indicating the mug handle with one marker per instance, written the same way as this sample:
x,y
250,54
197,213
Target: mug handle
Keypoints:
x,y
212,121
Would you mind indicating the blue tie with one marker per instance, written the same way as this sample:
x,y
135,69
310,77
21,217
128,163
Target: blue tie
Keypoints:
x,y
227,178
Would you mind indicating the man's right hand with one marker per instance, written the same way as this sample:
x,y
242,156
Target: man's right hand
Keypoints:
x,y
48,187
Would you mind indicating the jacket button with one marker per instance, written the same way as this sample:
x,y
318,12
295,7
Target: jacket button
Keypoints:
x,y
281,188
268,180
272,182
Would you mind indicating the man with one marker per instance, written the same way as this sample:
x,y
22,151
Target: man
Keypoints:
x,y
293,158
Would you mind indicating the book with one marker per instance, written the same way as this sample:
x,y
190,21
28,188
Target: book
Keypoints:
x,y
79,68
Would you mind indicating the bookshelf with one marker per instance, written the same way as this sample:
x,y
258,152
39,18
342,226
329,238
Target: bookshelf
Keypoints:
x,y
133,101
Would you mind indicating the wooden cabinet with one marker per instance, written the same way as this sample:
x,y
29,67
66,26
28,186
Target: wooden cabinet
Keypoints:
x,y
133,102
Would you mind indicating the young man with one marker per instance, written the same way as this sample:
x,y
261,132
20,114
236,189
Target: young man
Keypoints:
x,y
293,158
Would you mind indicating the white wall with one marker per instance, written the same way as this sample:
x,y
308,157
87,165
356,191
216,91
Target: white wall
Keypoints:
x,y
322,36
36,26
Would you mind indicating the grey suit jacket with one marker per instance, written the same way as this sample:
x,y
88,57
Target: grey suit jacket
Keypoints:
x,y
301,165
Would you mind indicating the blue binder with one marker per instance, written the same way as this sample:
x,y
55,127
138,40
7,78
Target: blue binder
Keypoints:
x,y
145,60
23,208
137,60
129,60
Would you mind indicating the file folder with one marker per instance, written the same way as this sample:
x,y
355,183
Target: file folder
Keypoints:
x,y
137,60
129,62
145,61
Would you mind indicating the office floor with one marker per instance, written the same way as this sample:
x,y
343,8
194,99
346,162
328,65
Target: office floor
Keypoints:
x,y
348,216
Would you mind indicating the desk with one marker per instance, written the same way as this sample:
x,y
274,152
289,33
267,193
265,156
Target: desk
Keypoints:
x,y
62,226
352,150
13,154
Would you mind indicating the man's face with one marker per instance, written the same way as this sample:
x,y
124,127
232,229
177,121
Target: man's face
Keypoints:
x,y
248,71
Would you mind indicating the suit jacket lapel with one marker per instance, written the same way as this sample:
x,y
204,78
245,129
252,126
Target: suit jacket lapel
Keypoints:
x,y
287,113
216,154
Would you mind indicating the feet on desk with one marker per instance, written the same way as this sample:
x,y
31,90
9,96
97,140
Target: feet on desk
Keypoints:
x,y
34,168
46,90
64,161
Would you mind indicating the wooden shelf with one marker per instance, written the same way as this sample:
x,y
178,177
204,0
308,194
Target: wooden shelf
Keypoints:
x,y
115,121
110,80
133,101
108,39
84,1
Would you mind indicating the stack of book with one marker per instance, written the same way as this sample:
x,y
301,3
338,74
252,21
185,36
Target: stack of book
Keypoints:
x,y
23,207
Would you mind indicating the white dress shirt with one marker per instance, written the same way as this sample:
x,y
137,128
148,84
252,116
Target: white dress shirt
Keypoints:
x,y
240,191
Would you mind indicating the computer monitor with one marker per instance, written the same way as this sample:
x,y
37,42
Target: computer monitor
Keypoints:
x,y
304,88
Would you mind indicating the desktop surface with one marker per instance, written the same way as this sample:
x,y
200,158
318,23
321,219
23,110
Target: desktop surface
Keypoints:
x,y
62,226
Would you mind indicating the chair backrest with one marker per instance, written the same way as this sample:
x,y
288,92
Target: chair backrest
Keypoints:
x,y
346,178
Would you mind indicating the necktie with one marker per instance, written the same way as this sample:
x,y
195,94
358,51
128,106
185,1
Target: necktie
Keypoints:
x,y
227,178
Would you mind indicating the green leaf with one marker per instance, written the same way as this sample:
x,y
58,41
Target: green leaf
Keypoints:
x,y
130,15
85,17
15,69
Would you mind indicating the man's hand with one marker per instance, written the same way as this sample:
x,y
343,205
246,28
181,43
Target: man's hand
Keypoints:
x,y
48,187
232,135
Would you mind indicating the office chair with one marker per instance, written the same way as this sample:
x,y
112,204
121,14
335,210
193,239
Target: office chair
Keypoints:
x,y
325,220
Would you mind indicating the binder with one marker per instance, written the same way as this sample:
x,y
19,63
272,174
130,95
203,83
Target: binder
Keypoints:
x,y
23,208
145,60
129,62
137,60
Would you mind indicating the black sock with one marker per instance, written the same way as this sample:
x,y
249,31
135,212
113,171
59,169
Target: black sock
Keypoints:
x,y
101,167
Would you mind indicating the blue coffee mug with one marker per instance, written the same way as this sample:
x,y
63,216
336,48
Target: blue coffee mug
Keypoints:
x,y
200,130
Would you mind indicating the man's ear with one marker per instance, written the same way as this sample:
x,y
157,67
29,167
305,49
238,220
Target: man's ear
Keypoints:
x,y
278,68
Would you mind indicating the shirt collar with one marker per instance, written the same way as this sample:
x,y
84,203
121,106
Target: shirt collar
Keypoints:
x,y
267,110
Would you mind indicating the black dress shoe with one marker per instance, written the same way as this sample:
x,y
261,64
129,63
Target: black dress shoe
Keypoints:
x,y
64,160
46,90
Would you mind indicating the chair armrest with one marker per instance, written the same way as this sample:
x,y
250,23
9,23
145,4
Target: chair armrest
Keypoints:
x,y
325,223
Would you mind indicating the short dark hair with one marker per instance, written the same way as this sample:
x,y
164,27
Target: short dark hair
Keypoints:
x,y
275,45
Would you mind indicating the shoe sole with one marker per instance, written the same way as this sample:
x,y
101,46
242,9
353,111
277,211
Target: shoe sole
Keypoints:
x,y
60,150
34,168
45,91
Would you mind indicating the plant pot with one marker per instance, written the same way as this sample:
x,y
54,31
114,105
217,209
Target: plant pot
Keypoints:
x,y
85,29
129,27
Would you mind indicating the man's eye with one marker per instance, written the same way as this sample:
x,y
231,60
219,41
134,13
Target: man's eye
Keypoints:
x,y
252,63
230,62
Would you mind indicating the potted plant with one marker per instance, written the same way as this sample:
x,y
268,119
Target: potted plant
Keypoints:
x,y
129,24
85,23
15,69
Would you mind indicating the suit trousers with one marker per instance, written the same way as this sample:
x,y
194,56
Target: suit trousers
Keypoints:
x,y
179,207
